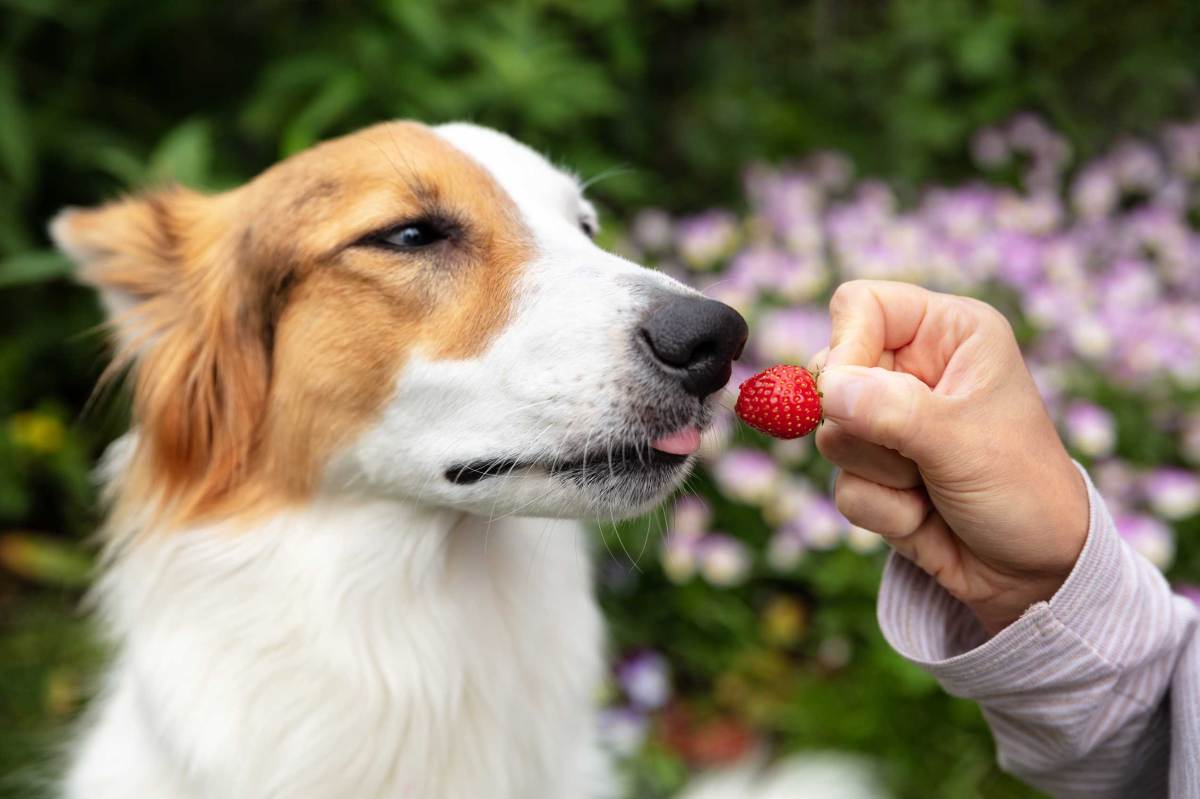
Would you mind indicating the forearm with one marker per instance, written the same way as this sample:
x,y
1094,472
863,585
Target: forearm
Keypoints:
x,y
1074,690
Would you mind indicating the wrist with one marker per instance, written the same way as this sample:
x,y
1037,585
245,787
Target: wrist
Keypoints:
x,y
1000,611
1065,531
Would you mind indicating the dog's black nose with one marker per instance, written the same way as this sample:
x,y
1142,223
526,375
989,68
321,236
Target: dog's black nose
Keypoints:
x,y
695,340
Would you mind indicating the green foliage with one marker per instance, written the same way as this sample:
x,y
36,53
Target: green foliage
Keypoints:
x,y
104,96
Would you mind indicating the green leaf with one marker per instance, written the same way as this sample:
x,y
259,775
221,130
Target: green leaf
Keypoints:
x,y
17,155
44,559
184,154
36,266
339,94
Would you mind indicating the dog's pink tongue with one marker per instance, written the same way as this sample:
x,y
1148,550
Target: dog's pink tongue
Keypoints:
x,y
681,442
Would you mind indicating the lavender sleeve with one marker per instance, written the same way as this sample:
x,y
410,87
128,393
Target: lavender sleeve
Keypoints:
x,y
1095,693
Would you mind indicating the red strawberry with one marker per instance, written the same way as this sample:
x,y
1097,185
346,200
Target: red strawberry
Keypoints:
x,y
783,402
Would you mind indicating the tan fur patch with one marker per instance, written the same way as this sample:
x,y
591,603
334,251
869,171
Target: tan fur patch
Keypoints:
x,y
261,338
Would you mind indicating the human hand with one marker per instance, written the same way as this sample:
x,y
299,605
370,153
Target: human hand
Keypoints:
x,y
945,447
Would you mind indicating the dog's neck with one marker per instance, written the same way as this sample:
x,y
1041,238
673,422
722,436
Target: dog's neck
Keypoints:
x,y
421,633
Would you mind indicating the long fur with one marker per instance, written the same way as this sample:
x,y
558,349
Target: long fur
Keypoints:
x,y
307,594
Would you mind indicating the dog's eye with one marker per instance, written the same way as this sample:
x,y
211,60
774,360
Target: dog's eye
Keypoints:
x,y
588,227
407,236
417,234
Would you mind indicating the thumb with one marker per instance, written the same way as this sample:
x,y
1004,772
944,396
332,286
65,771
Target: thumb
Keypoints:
x,y
892,409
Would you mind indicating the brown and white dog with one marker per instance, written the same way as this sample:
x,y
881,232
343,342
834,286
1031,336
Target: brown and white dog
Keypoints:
x,y
369,388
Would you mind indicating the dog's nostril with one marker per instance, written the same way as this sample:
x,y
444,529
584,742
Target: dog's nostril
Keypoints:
x,y
695,339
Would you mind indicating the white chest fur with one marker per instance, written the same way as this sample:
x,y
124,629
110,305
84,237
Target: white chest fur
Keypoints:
x,y
351,650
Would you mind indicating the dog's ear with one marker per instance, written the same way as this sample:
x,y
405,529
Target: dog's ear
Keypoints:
x,y
130,251
187,323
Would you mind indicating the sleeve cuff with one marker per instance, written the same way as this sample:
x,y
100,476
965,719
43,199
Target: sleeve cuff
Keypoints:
x,y
1105,614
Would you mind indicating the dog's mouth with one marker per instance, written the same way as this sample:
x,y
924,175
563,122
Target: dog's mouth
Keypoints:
x,y
592,463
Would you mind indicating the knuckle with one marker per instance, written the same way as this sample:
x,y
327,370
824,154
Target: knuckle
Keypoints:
x,y
846,291
987,316
895,417
851,498
833,442
848,295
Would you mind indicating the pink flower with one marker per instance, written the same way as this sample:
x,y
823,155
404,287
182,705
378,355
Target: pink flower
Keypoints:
x,y
785,549
691,517
651,230
1173,493
989,148
747,475
724,561
679,556
1095,192
792,335
1117,482
1090,429
821,525
646,679
623,730
705,239
1149,537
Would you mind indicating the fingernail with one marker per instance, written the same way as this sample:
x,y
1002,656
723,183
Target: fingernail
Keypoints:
x,y
842,388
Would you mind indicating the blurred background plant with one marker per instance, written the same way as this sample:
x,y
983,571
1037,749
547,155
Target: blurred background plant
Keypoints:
x,y
744,616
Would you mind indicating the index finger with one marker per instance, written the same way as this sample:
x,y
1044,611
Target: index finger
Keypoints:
x,y
871,317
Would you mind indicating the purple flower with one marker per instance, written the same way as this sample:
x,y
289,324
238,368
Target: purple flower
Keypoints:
x,y
831,169
1183,148
646,679
1090,429
821,525
794,276
747,475
785,549
724,561
1149,537
1173,493
705,239
989,148
1095,192
789,202
623,730
691,517
792,499
1028,132
679,556
1137,166
1090,337
1117,482
792,335
651,230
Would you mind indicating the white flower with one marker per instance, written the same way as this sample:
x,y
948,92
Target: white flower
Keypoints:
x,y
724,561
1149,537
1173,493
1090,429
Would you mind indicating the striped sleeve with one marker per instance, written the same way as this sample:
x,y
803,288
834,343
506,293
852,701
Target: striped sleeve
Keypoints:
x,y
1076,690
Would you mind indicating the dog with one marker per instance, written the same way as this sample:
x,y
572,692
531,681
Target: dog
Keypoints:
x,y
373,391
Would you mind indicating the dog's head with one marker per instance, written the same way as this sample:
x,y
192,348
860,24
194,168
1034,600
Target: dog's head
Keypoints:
x,y
406,311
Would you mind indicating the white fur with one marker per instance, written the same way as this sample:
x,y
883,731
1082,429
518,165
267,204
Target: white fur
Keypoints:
x,y
382,641
400,635
356,648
